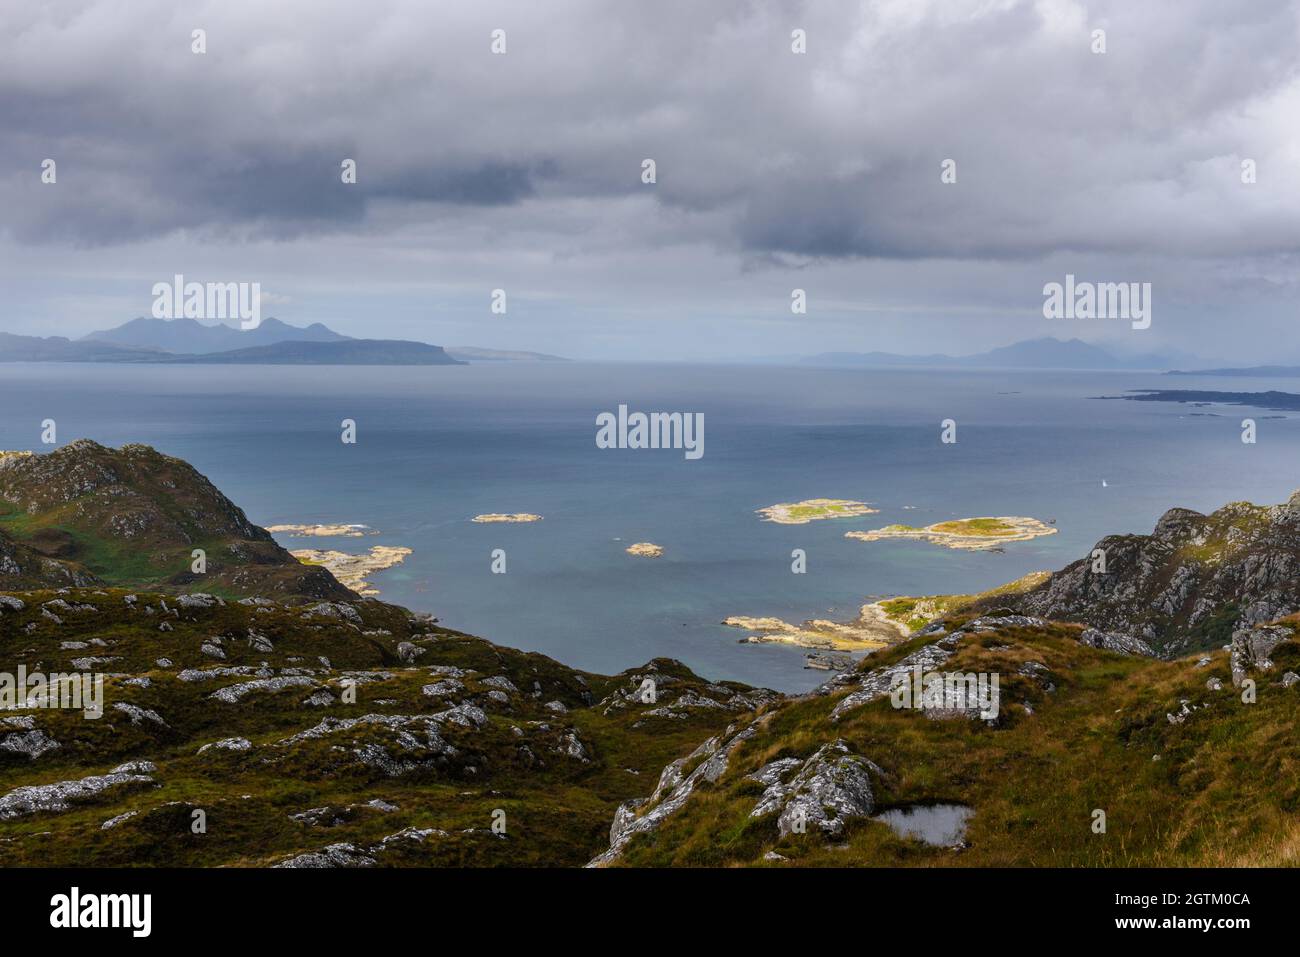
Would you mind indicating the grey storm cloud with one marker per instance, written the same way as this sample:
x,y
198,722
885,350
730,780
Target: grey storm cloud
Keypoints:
x,y
774,169
835,153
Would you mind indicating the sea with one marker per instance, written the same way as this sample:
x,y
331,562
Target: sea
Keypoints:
x,y
437,445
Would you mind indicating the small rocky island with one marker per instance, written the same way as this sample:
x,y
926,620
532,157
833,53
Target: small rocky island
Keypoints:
x,y
814,509
965,533
351,570
322,531
512,517
645,549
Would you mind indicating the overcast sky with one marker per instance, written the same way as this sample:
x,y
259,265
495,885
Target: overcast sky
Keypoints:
x,y
775,170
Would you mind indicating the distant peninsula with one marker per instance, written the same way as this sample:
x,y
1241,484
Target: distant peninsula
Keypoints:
x,y
1258,372
1273,400
479,354
1047,352
814,509
272,342
965,533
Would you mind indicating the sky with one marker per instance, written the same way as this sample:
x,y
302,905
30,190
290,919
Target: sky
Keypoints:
x,y
774,170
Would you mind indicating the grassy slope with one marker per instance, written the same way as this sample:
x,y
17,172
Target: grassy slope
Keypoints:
x,y
1223,790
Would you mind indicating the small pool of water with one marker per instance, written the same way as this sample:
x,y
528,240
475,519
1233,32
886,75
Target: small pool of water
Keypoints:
x,y
942,825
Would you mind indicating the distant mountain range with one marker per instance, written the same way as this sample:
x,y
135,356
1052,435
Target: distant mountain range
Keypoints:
x,y
1045,353
363,352
272,342
189,336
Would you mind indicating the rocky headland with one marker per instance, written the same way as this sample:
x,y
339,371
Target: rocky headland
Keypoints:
x,y
354,570
872,629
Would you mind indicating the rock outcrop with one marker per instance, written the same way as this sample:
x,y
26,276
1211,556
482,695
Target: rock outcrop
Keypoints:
x,y
831,787
1187,584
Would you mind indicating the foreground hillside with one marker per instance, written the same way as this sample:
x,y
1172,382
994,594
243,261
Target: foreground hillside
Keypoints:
x,y
241,710
1184,770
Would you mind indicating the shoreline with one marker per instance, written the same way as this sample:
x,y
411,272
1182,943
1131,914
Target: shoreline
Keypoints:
x,y
354,570
872,630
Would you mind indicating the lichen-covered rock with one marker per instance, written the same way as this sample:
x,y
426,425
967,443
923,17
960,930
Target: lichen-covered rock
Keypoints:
x,y
1166,588
442,689
62,795
259,642
571,746
408,652
1112,641
92,662
113,822
1038,672
878,682
345,854
464,714
32,743
410,741
234,693
334,855
832,787
138,714
1251,647
775,771
336,609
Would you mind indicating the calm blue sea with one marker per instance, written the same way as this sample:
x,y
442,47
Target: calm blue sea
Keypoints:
x,y
438,445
